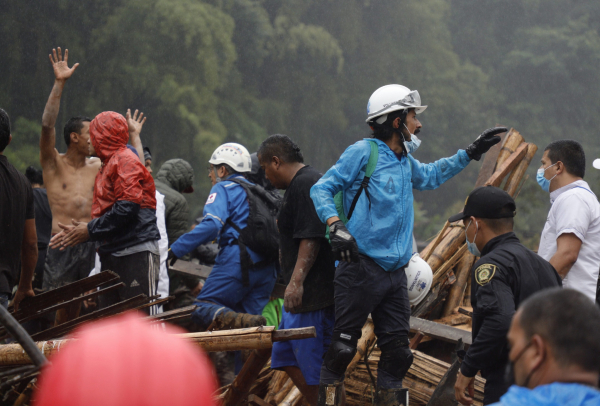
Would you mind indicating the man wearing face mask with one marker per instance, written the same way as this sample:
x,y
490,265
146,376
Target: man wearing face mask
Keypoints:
x,y
551,364
571,236
505,275
374,239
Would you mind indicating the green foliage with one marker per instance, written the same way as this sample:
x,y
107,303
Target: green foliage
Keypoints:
x,y
210,71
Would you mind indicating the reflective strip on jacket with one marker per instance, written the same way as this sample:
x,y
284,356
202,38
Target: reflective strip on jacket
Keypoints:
x,y
383,231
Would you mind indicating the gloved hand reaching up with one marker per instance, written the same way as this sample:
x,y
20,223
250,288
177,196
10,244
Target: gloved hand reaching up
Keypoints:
x,y
343,245
484,142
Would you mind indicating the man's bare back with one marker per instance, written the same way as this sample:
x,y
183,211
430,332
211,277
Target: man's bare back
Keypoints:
x,y
69,177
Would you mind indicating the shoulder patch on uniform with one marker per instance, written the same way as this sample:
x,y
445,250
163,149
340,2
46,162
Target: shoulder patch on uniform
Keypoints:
x,y
211,198
484,273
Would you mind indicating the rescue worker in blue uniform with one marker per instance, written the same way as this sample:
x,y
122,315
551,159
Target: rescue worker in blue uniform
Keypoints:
x,y
226,301
375,245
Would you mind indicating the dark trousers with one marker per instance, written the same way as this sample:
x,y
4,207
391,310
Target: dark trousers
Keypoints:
x,y
495,385
365,288
139,272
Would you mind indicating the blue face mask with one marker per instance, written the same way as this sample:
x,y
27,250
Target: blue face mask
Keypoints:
x,y
471,246
541,179
414,143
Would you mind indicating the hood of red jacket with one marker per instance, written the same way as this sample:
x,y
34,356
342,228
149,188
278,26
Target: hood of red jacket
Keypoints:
x,y
108,134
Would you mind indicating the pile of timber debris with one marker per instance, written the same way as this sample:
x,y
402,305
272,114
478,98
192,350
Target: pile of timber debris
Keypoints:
x,y
447,305
444,315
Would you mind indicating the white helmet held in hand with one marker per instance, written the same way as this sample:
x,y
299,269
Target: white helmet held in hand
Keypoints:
x,y
391,98
234,155
419,279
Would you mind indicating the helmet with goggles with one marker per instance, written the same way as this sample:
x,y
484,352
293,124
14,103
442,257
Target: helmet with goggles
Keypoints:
x,y
390,98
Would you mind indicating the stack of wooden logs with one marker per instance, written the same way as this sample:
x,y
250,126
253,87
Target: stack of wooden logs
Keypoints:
x,y
504,166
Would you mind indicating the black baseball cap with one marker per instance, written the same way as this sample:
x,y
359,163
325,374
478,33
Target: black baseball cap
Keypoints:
x,y
487,202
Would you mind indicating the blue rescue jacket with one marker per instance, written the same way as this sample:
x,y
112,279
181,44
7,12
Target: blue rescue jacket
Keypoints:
x,y
227,200
384,230
554,394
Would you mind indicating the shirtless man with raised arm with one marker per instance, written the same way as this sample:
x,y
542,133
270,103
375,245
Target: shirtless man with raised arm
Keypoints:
x,y
69,180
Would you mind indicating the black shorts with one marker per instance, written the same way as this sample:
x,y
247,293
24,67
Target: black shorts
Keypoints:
x,y
70,265
139,272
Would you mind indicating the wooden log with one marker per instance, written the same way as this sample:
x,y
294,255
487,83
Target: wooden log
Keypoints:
x,y
240,387
294,334
447,247
508,165
511,142
514,180
457,291
256,400
489,162
431,246
291,397
366,342
285,389
442,270
279,378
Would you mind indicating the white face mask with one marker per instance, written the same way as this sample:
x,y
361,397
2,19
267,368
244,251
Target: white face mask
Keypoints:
x,y
414,143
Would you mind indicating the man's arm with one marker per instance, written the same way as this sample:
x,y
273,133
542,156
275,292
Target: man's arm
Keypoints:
x,y
62,72
135,124
29,256
567,251
433,175
307,254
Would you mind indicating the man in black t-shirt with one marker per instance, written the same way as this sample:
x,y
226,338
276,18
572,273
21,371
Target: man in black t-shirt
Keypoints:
x,y
18,239
307,265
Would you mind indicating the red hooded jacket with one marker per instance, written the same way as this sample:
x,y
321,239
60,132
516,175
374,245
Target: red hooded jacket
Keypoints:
x,y
124,205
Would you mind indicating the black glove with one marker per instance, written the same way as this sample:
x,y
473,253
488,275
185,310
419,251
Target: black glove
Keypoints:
x,y
343,244
484,142
171,258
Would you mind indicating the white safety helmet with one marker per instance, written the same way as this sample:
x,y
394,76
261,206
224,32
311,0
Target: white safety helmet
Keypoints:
x,y
391,98
419,278
234,155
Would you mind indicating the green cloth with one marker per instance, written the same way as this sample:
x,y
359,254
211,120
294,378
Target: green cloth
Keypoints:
x,y
272,312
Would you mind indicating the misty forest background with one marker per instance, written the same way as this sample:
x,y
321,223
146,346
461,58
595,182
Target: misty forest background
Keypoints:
x,y
206,72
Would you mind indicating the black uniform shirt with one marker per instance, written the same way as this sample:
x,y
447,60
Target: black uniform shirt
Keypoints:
x,y
506,274
298,220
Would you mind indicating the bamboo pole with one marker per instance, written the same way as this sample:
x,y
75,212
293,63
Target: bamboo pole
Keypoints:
x,y
240,387
511,142
508,165
224,340
439,274
279,378
446,248
457,291
431,246
291,397
517,174
285,389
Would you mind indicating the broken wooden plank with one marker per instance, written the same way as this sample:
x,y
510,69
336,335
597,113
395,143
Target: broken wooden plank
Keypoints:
x,y
441,271
439,331
257,400
489,162
240,387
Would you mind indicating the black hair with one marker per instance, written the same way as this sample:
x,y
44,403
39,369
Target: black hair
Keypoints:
x,y
281,146
502,225
386,130
569,321
570,153
74,125
4,129
34,175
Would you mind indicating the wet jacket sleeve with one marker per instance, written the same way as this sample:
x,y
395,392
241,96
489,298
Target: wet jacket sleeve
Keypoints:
x,y
216,213
431,176
339,177
496,306
120,216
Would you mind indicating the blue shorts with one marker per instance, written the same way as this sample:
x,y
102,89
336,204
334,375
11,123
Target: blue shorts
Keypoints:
x,y
305,354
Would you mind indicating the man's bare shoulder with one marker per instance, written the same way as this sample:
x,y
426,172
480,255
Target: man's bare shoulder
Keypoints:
x,y
95,162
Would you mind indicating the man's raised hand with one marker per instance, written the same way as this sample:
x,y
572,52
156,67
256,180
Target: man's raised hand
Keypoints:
x,y
61,68
136,122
